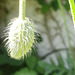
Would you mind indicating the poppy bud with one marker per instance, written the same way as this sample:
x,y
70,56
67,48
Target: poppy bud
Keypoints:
x,y
20,38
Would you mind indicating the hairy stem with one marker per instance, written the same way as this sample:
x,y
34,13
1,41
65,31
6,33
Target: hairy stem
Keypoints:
x,y
22,5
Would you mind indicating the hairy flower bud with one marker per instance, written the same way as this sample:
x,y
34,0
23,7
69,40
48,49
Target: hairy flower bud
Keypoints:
x,y
20,38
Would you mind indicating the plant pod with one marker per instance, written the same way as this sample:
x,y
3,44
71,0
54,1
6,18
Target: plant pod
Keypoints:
x,y
20,38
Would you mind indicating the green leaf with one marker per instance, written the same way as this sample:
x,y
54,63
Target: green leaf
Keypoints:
x,y
48,68
43,64
55,73
71,72
54,5
42,2
62,72
52,69
32,61
67,6
60,61
69,61
45,8
40,70
25,71
52,62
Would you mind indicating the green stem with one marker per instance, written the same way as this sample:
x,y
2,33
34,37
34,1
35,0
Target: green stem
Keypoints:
x,y
67,30
22,5
72,6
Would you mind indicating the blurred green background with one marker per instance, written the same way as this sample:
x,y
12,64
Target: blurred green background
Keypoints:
x,y
35,64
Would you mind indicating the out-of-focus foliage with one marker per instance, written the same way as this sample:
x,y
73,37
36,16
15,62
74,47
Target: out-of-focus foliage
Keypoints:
x,y
33,65
26,71
66,5
33,60
53,4
53,69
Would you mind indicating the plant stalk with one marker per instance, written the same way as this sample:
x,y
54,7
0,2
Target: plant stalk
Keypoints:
x,y
72,6
22,5
67,30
